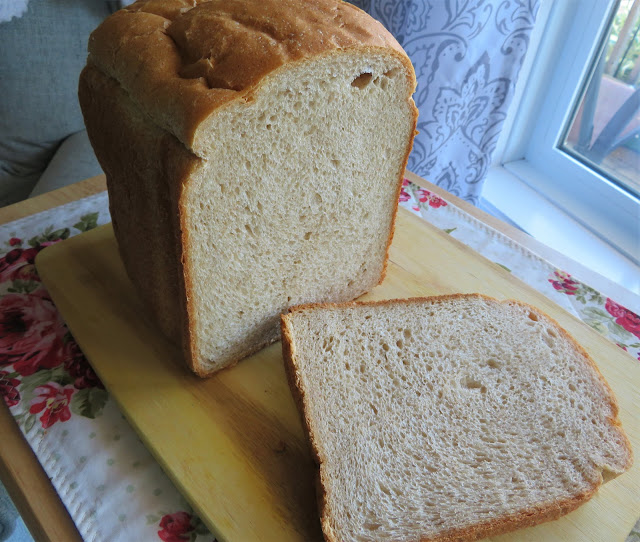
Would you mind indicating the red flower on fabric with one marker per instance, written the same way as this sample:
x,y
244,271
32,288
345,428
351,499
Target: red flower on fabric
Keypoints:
x,y
404,195
565,283
18,264
78,367
425,196
53,401
15,241
175,527
436,201
624,317
422,194
9,389
31,332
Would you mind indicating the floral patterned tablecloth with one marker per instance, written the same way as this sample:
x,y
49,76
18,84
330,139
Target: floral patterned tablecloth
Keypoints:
x,y
111,485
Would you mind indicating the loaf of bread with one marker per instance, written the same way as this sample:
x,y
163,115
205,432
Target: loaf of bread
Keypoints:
x,y
254,152
448,418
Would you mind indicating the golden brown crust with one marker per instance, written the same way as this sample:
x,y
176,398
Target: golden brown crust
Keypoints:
x,y
142,193
180,62
397,199
525,518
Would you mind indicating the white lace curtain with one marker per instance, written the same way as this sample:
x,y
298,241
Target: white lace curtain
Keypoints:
x,y
467,55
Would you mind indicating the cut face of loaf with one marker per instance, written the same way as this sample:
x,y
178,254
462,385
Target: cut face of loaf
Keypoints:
x,y
298,203
254,152
449,418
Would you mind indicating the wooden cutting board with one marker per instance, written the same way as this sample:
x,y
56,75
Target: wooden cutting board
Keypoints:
x,y
233,444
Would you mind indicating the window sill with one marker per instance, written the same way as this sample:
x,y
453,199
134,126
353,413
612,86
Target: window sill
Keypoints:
x,y
506,196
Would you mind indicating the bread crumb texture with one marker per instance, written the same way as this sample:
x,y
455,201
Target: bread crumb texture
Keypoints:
x,y
459,416
295,207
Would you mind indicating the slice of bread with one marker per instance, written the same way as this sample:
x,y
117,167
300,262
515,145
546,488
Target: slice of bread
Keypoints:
x,y
448,418
254,153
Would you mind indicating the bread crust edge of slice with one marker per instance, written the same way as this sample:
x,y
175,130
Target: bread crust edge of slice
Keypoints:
x,y
520,520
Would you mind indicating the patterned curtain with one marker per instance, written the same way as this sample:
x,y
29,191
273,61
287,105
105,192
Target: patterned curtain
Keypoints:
x,y
467,55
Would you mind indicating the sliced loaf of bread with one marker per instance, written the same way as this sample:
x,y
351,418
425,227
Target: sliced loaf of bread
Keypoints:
x,y
448,418
254,153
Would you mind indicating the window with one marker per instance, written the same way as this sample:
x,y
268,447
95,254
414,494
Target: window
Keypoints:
x,y
564,171
604,129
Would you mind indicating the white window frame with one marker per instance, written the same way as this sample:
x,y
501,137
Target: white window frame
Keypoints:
x,y
544,190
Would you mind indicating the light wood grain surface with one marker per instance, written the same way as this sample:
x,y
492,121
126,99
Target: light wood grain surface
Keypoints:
x,y
247,471
20,471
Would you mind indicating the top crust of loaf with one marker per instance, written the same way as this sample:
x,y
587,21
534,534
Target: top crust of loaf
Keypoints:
x,y
179,61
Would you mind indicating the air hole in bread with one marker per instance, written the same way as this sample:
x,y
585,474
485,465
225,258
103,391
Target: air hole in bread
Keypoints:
x,y
473,384
548,341
382,82
362,80
384,489
307,236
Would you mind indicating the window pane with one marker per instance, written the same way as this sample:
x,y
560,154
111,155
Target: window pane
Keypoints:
x,y
604,132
